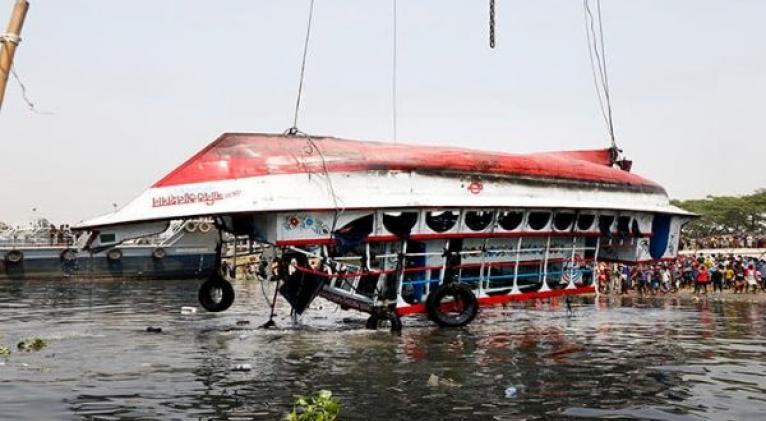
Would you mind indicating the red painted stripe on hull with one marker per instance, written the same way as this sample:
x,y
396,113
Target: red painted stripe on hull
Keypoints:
x,y
506,298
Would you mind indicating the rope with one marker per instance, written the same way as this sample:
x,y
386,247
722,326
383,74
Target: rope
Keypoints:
x,y
9,37
491,23
394,73
597,56
24,95
294,128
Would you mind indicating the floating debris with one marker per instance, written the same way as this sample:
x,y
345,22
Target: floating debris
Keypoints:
x,y
152,329
32,344
433,380
511,392
5,352
188,310
436,381
242,367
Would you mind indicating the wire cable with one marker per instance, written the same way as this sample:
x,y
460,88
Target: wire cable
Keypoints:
x,y
596,52
394,73
24,95
294,128
606,76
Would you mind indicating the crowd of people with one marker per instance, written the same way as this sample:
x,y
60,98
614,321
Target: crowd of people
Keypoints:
x,y
724,242
714,273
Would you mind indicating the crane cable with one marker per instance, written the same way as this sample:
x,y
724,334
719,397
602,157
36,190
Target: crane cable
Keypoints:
x,y
294,129
492,24
393,72
597,55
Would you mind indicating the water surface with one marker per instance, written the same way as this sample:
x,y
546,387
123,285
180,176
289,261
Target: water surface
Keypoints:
x,y
616,358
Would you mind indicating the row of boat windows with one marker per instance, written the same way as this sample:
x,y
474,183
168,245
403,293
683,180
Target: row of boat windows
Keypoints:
x,y
510,220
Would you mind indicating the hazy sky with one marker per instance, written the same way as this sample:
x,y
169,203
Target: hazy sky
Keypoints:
x,y
138,86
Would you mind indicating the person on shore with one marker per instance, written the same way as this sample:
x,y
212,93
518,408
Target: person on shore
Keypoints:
x,y
667,279
739,278
642,280
762,269
702,280
750,278
728,276
602,277
625,279
614,279
717,279
656,279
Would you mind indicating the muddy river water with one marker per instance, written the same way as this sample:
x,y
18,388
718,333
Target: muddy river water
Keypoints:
x,y
615,358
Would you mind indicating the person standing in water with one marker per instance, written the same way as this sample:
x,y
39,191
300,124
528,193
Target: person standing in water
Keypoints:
x,y
717,279
702,279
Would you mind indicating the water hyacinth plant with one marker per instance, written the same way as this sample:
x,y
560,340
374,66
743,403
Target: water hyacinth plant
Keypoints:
x,y
322,407
32,344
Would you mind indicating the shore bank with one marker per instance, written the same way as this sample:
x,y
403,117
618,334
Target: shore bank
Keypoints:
x,y
688,294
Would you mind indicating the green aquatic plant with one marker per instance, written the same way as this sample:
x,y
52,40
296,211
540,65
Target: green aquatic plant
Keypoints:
x,y
32,344
5,352
322,407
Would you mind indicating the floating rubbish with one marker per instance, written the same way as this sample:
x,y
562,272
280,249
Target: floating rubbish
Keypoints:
x,y
433,380
511,392
242,367
243,322
436,381
188,310
32,344
5,351
152,329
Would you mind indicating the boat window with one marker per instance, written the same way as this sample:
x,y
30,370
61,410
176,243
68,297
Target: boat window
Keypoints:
x,y
478,220
107,238
355,232
585,221
623,225
563,221
539,220
510,220
635,229
605,224
400,223
441,221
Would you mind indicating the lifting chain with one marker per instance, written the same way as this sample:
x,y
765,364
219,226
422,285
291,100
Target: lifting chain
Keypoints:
x,y
491,23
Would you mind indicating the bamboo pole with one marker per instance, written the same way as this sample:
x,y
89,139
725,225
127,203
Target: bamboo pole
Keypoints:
x,y
10,41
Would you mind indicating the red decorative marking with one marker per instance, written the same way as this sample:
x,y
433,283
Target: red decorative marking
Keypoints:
x,y
234,156
505,298
208,198
476,187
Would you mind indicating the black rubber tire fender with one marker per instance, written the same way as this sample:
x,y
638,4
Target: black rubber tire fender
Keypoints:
x,y
114,254
14,256
457,292
68,255
205,296
159,253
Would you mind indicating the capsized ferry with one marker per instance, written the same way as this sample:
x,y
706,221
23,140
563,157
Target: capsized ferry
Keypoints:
x,y
185,250
398,229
